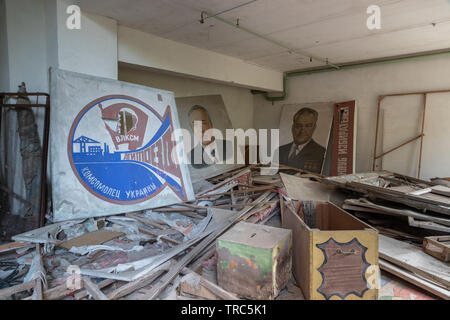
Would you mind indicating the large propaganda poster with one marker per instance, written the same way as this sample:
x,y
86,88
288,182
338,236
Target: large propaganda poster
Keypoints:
x,y
112,148
304,135
344,132
211,112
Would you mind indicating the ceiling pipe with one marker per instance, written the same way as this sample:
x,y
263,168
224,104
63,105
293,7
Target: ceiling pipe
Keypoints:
x,y
292,74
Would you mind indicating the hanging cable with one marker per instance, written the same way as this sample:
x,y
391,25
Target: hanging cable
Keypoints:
x,y
202,20
205,15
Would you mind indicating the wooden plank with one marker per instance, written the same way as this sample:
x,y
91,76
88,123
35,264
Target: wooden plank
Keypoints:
x,y
438,247
304,189
37,294
13,246
186,287
420,192
267,180
208,253
173,272
415,280
170,209
146,221
210,287
140,282
244,175
397,212
415,260
191,214
55,293
243,191
301,257
91,238
442,190
427,201
62,291
103,284
40,282
7,292
238,205
93,289
396,234
156,234
427,225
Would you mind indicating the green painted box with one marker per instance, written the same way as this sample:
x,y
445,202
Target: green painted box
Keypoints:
x,y
254,261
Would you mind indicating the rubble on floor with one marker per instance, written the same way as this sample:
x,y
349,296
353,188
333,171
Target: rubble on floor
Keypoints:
x,y
413,219
170,252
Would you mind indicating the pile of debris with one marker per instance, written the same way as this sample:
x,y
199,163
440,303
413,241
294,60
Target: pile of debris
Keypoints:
x,y
175,252
152,254
413,219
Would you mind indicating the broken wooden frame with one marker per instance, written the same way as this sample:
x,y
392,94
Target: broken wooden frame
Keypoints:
x,y
414,260
42,100
426,196
438,247
422,134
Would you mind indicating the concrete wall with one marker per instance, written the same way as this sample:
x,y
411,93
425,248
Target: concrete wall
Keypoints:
x,y
4,60
27,44
37,38
91,50
238,101
33,38
403,114
140,48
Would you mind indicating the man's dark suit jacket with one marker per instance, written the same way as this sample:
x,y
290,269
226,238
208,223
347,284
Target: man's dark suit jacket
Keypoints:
x,y
202,165
310,158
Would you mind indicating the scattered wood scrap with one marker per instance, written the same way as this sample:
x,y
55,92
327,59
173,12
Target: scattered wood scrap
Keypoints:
x,y
413,259
141,254
145,255
414,279
409,191
91,239
438,247
93,289
196,285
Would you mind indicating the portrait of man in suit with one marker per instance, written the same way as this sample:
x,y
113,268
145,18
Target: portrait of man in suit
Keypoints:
x,y
207,151
303,152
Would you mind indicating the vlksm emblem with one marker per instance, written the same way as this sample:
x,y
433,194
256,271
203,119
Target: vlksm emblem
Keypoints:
x,y
121,150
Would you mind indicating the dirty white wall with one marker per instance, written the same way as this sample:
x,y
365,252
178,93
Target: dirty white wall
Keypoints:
x,y
27,53
4,65
33,38
140,48
238,101
365,85
37,38
90,50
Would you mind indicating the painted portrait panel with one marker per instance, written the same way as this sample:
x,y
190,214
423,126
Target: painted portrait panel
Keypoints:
x,y
304,135
207,156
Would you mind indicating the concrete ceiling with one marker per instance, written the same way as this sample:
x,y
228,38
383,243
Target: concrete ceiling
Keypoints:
x,y
333,29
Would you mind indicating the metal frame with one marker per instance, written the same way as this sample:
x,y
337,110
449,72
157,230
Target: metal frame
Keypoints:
x,y
37,104
380,99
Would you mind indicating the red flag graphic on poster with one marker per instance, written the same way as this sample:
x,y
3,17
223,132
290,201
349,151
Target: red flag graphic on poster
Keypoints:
x,y
342,159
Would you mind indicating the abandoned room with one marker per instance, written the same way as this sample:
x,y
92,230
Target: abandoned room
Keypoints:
x,y
249,152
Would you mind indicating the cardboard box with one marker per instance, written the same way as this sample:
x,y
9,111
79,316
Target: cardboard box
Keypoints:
x,y
335,255
254,261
